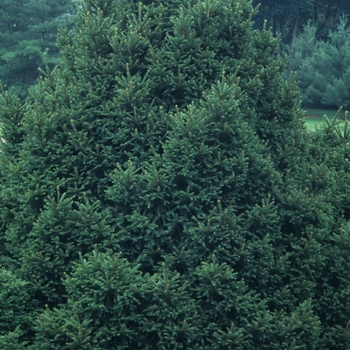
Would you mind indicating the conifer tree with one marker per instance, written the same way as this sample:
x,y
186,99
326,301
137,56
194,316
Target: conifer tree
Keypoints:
x,y
27,38
18,309
160,190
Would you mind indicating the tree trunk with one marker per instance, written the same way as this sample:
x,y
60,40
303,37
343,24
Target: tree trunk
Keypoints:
x,y
295,29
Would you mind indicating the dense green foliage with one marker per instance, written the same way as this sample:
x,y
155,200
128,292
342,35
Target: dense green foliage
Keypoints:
x,y
323,66
160,190
17,311
315,37
28,29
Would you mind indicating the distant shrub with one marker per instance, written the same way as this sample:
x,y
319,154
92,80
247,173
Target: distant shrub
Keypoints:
x,y
323,67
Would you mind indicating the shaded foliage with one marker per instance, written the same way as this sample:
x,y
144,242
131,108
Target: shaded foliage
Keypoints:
x,y
28,32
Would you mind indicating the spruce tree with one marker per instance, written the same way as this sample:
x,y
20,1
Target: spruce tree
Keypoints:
x,y
18,309
159,189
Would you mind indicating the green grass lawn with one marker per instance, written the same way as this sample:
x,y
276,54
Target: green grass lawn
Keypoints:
x,y
321,112
311,123
315,117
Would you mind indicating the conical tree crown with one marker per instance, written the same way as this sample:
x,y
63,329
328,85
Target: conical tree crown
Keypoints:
x,y
159,189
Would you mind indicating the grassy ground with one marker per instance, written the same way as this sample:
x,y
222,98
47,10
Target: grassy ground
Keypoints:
x,y
315,117
321,112
311,123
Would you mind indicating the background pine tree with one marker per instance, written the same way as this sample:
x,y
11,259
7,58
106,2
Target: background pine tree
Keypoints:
x,y
28,32
159,189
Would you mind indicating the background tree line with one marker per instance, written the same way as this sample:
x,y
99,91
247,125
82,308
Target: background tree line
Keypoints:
x,y
315,37
287,18
28,31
